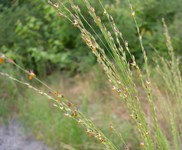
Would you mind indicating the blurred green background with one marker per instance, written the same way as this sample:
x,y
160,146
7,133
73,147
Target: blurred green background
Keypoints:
x,y
32,35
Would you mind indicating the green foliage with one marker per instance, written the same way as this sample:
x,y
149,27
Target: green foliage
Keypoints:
x,y
8,95
32,34
37,113
150,14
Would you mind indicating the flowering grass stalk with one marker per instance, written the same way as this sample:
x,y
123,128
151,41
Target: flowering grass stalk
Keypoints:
x,y
118,72
60,102
111,50
117,67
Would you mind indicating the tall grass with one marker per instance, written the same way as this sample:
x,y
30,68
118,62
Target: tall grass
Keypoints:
x,y
111,51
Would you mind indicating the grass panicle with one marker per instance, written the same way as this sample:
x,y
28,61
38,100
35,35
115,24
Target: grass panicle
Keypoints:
x,y
112,51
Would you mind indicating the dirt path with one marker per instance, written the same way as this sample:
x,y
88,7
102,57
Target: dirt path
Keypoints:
x,y
12,137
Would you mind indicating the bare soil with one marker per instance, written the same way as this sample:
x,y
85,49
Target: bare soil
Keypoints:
x,y
14,137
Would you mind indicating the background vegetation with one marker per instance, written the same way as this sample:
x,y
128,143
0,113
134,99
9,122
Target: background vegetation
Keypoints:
x,y
33,36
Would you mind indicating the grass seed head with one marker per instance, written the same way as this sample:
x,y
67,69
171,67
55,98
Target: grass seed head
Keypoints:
x,y
66,115
2,58
102,140
69,104
79,121
139,125
141,144
75,23
56,5
111,127
31,75
133,13
74,113
105,12
91,134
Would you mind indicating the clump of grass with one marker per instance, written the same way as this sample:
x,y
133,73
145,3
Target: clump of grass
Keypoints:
x,y
119,72
118,69
171,80
9,93
121,75
61,103
35,112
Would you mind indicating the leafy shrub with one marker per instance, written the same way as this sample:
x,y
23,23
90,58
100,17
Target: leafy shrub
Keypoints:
x,y
34,32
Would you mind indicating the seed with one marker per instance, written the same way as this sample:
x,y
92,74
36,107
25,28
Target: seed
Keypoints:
x,y
61,108
92,9
58,100
91,134
104,13
139,125
147,133
75,23
70,104
56,5
31,75
102,140
74,113
126,43
88,131
111,128
66,115
55,105
2,57
141,144
131,116
114,88
126,148
79,121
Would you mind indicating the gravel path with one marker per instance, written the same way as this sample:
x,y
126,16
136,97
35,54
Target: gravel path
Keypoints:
x,y
12,137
